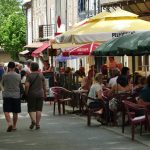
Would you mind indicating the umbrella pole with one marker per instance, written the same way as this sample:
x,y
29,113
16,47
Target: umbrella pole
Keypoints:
x,y
145,69
123,60
133,66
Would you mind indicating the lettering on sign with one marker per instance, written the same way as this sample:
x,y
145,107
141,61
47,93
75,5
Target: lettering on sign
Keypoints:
x,y
120,34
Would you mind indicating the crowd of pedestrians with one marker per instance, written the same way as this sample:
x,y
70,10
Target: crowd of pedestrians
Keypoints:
x,y
15,80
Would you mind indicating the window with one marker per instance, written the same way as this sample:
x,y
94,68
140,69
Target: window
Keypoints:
x,y
82,5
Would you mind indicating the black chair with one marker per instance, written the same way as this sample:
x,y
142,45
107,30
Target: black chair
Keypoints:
x,y
94,111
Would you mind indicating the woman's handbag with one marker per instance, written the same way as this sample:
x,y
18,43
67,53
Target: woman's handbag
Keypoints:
x,y
113,104
26,94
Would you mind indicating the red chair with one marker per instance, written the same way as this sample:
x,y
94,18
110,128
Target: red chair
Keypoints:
x,y
61,97
131,109
93,111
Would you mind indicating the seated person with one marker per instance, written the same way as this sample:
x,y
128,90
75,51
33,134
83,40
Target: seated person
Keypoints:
x,y
96,92
123,86
92,71
104,69
86,83
113,80
46,67
80,74
139,85
144,97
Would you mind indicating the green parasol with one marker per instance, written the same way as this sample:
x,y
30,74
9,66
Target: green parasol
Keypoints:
x,y
136,44
131,45
144,45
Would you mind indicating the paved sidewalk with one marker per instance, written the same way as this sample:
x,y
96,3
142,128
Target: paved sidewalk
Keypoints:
x,y
144,139
65,132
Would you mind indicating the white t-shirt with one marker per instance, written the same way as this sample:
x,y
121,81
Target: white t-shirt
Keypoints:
x,y
23,80
26,69
113,81
96,87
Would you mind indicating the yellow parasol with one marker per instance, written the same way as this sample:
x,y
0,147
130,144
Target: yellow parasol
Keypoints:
x,y
81,26
113,25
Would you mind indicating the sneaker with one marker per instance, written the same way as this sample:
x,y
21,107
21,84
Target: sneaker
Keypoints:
x,y
102,121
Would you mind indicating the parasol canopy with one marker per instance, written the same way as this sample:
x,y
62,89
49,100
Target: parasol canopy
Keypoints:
x,y
61,58
131,45
83,50
112,25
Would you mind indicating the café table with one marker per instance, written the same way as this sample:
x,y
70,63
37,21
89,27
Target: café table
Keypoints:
x,y
77,98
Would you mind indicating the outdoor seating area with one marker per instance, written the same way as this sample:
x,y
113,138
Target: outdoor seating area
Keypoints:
x,y
118,104
75,74
131,113
128,108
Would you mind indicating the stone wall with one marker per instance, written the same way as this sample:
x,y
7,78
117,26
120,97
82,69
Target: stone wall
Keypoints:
x,y
4,57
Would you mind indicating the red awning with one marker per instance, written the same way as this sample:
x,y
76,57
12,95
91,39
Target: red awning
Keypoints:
x,y
40,49
84,49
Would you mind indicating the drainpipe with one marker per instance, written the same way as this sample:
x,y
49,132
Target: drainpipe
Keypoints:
x,y
66,14
88,9
32,17
94,7
46,20
25,12
99,6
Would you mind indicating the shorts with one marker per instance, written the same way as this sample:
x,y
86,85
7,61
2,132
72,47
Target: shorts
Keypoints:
x,y
96,104
35,103
11,105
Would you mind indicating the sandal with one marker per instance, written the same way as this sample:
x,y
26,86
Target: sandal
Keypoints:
x,y
14,129
37,127
9,129
32,125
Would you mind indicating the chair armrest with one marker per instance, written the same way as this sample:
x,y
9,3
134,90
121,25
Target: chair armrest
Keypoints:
x,y
65,99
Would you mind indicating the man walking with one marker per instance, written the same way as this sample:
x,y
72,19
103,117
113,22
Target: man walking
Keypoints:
x,y
11,96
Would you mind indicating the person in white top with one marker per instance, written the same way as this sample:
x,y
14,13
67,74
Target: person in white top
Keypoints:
x,y
96,92
113,80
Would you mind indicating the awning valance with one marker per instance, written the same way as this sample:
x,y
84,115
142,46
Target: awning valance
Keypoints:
x,y
24,52
63,46
34,45
40,49
82,50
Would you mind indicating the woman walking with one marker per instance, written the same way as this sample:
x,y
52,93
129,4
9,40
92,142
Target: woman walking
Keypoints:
x,y
11,96
35,90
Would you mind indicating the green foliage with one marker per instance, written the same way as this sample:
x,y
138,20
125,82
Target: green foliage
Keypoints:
x,y
12,27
